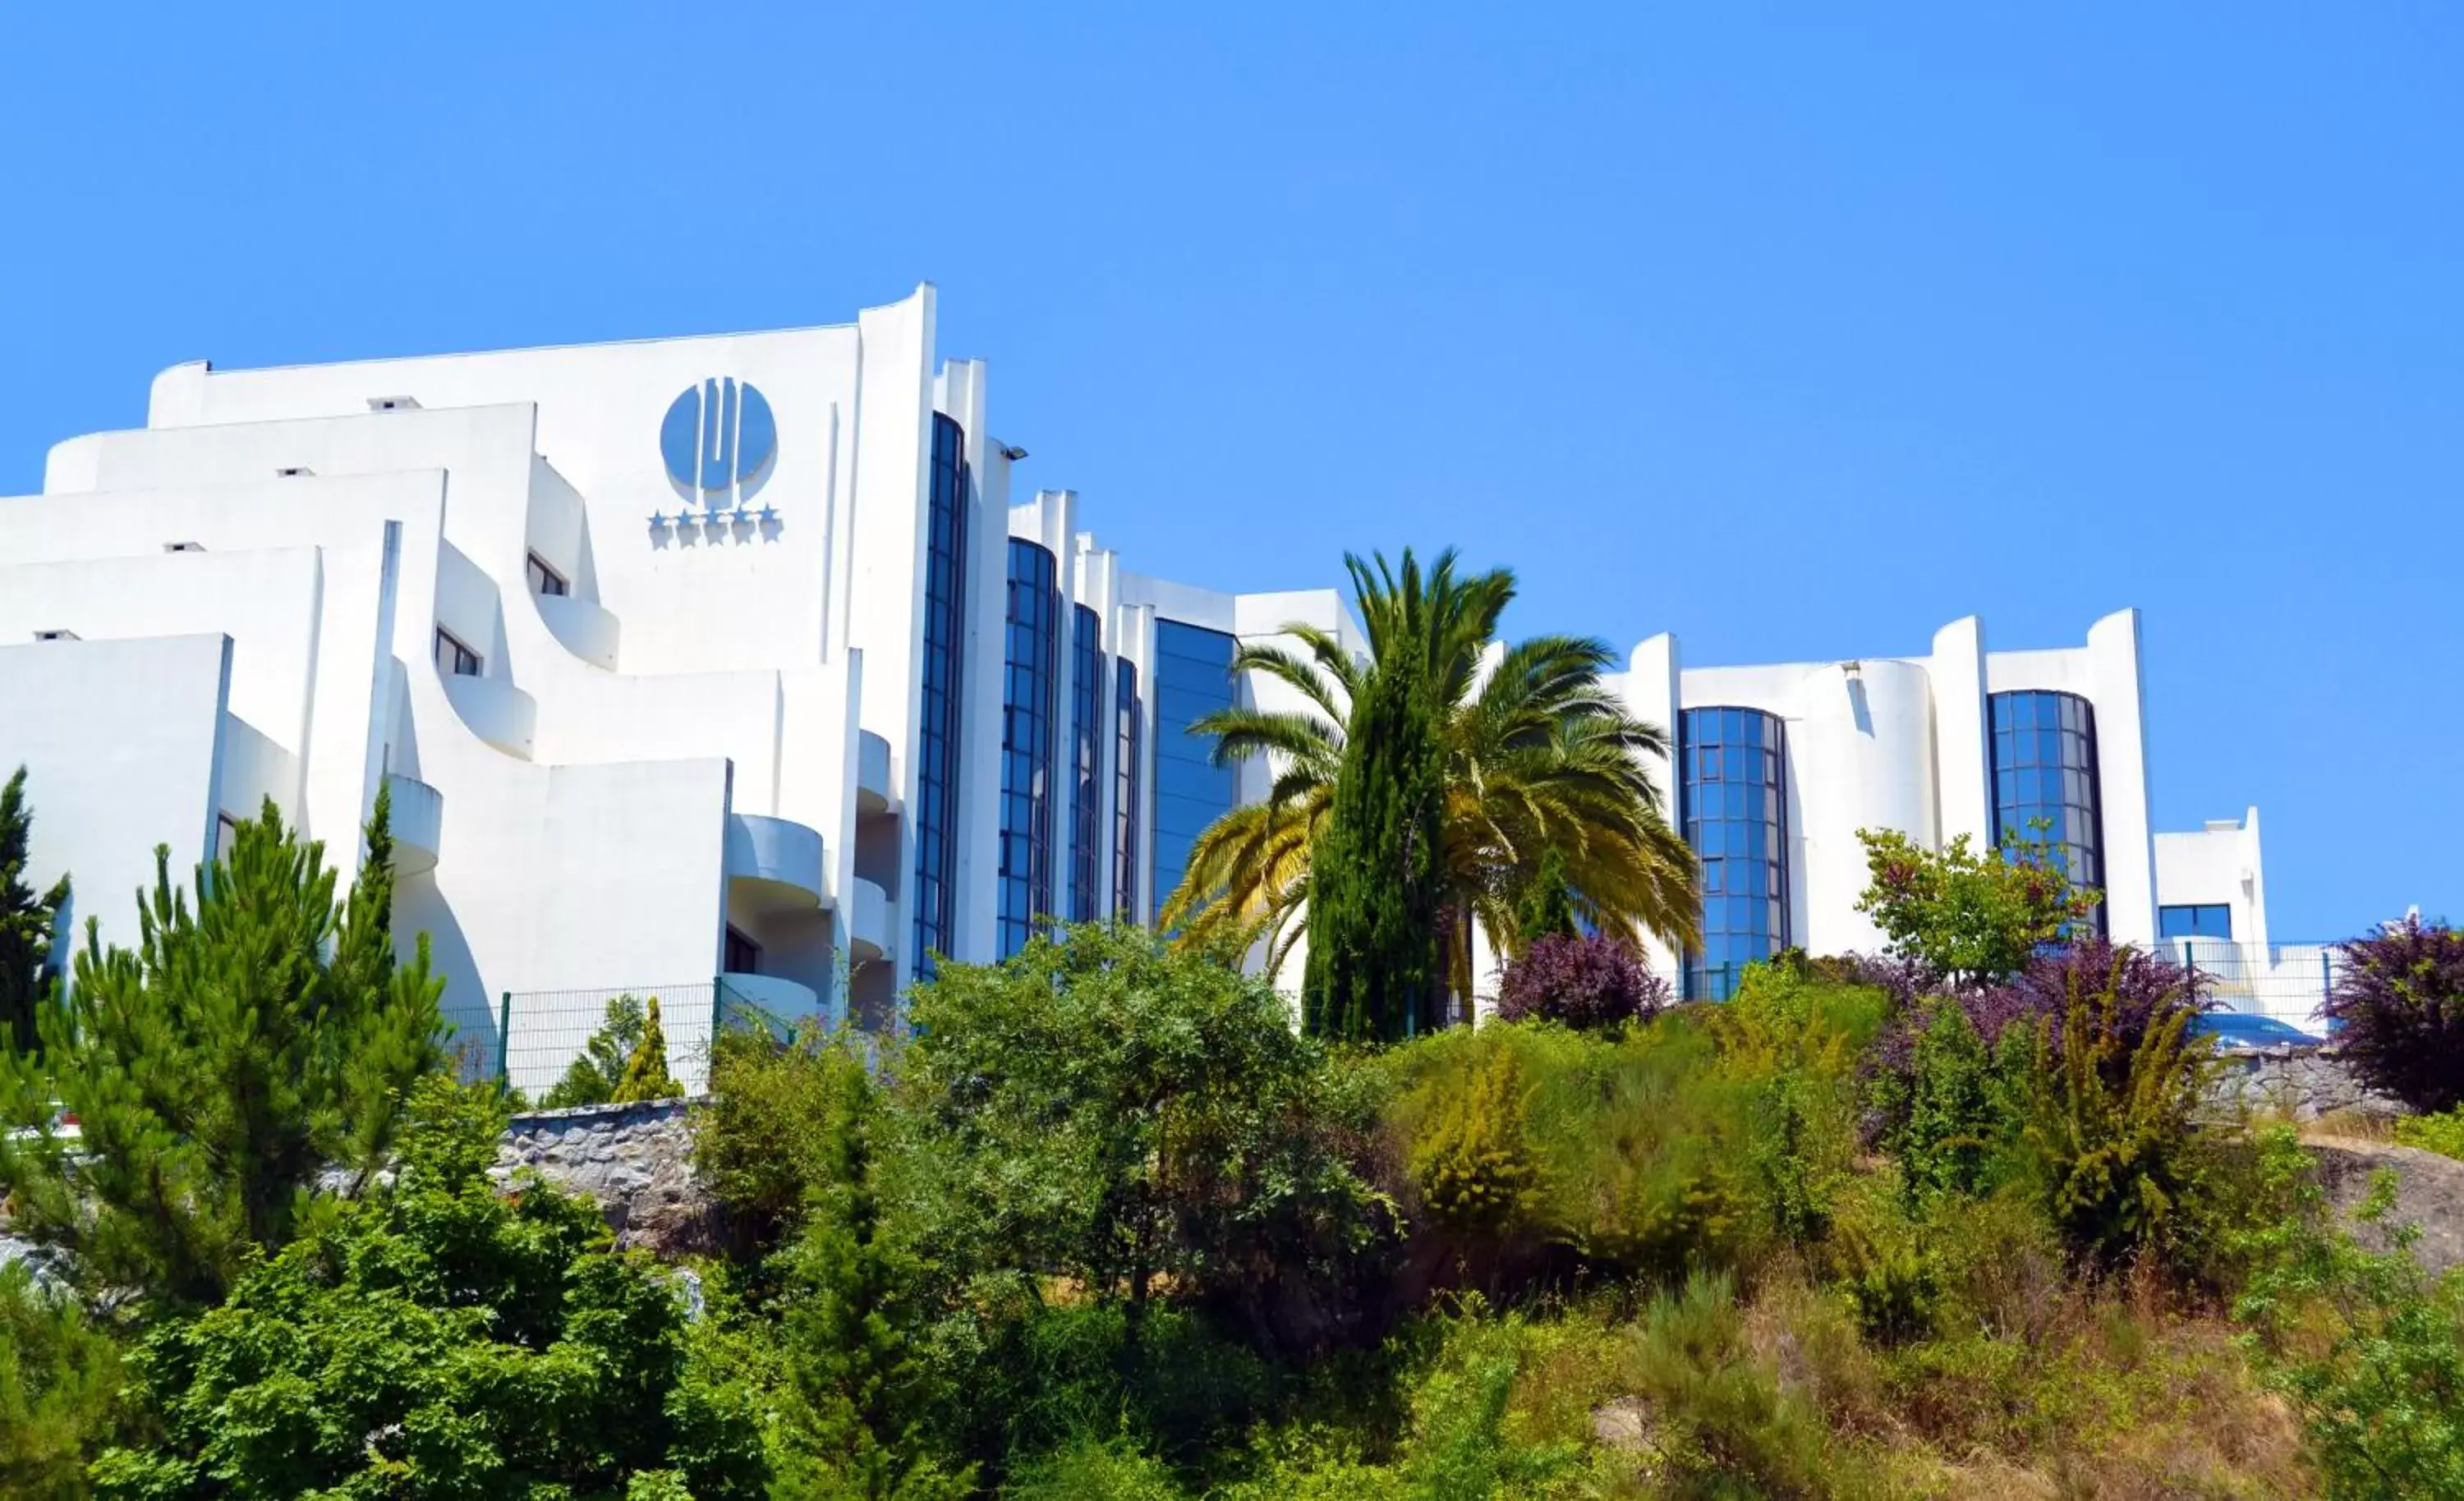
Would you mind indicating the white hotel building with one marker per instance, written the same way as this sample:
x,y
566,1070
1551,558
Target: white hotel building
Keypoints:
x,y
732,656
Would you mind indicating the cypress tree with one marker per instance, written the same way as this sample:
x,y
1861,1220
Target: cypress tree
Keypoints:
x,y
646,1072
1373,918
1546,909
27,922
215,1069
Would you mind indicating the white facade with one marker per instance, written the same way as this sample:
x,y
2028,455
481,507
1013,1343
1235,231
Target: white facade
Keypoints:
x,y
643,638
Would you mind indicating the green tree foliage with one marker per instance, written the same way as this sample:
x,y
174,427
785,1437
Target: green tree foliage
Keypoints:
x,y
1970,917
854,1421
598,1071
2368,1350
436,1339
767,1139
1955,1117
27,921
646,1071
59,1378
1129,1115
253,1037
1546,909
1536,755
1373,916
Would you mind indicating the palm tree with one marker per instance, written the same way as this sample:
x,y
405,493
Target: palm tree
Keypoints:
x,y
1538,755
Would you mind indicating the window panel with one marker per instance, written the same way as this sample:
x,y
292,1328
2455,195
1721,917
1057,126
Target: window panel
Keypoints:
x,y
1733,808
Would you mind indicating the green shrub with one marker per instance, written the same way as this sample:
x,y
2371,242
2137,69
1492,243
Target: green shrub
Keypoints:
x,y
2443,1134
1088,1470
2108,1137
438,1339
1954,1120
59,1381
1474,1168
2368,1350
1885,1269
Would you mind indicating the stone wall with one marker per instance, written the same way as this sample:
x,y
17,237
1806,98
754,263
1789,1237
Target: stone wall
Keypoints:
x,y
634,1160
2303,1083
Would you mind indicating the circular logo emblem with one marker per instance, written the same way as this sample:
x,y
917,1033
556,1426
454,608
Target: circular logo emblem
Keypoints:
x,y
719,441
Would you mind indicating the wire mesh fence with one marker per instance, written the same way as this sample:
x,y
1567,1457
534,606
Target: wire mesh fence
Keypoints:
x,y
540,1032
2285,982
536,1035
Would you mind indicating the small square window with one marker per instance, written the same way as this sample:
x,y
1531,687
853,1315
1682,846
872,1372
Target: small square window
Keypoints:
x,y
544,579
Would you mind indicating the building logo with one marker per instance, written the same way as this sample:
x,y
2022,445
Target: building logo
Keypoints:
x,y
719,442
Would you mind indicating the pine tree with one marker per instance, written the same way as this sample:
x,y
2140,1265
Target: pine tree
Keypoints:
x,y
215,1069
853,1409
1374,900
646,1072
27,922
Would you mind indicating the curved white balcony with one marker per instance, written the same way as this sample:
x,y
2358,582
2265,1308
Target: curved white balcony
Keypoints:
x,y
781,999
868,923
872,790
497,711
779,859
417,820
586,630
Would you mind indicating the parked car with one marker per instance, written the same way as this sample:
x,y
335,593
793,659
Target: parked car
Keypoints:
x,y
2249,1030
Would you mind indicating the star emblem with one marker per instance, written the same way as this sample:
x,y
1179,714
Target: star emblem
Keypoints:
x,y
658,518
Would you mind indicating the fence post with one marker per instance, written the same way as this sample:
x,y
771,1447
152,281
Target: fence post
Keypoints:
x,y
504,1037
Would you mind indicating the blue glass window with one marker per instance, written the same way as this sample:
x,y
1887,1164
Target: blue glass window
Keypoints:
x,y
1734,800
1085,713
1129,717
1031,663
936,747
2044,778
2207,920
1193,679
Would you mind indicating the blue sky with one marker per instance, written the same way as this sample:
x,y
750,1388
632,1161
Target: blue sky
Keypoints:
x,y
1797,332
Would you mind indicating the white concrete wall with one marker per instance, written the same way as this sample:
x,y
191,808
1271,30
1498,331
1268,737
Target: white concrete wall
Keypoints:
x,y
2218,865
121,741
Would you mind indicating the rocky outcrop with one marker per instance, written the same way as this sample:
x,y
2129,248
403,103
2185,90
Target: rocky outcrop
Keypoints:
x,y
2300,1083
634,1160
2429,1194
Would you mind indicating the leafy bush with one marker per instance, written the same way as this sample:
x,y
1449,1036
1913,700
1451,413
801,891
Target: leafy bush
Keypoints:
x,y
2443,1134
2108,1133
593,1077
769,1137
1141,1120
1475,1170
1970,915
59,1381
2398,1007
2368,1351
438,1339
1584,982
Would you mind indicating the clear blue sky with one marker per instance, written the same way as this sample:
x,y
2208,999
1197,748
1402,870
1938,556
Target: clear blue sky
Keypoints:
x,y
1797,332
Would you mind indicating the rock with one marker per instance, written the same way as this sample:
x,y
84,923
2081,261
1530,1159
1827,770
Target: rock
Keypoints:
x,y
2303,1084
635,1161
2429,1193
1624,1424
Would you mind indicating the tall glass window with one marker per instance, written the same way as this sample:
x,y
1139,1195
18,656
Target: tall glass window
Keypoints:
x,y
1193,679
1734,804
2044,773
1085,710
937,748
1032,657
1128,747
